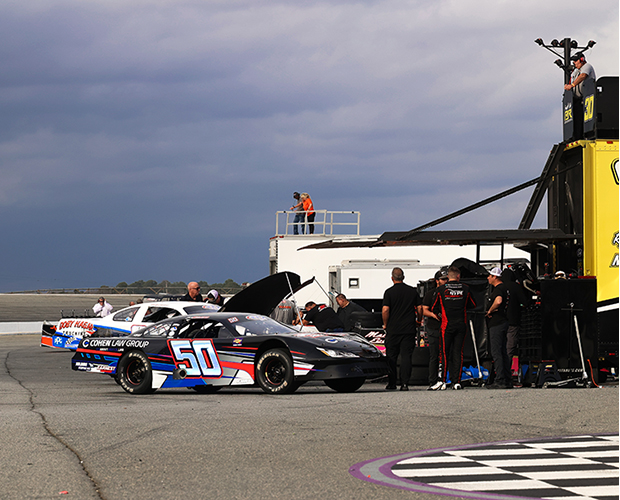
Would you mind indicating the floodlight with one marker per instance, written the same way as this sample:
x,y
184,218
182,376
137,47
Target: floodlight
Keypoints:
x,y
555,43
574,44
539,41
558,62
591,44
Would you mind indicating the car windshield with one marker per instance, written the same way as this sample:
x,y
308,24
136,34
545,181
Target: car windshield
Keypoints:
x,y
246,325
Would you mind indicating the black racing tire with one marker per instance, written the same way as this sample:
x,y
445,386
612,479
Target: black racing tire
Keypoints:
x,y
135,374
275,373
345,384
206,389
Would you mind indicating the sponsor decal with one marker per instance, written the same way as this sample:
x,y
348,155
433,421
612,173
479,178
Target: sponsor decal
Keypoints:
x,y
77,323
568,113
614,171
117,343
332,340
237,341
234,319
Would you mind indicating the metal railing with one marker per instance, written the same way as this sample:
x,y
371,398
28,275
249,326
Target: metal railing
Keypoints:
x,y
226,291
326,223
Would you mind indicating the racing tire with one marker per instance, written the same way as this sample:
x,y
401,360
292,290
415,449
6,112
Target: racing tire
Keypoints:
x,y
135,374
275,373
206,389
345,384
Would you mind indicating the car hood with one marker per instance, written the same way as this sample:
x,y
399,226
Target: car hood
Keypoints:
x,y
263,296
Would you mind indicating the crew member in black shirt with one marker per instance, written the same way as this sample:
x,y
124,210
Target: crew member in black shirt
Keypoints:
x,y
451,304
193,293
345,309
497,322
323,317
400,312
518,299
433,331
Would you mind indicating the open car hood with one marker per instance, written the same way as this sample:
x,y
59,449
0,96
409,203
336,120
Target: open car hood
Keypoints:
x,y
263,296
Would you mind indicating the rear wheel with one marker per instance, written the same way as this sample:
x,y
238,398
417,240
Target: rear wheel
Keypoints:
x,y
345,384
274,372
135,374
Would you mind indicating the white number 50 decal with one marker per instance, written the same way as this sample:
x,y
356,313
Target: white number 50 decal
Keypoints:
x,y
198,357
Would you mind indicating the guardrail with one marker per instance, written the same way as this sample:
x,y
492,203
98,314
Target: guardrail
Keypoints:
x,y
326,223
121,291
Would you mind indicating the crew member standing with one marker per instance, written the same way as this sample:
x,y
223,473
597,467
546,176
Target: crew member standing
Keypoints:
x,y
309,210
433,329
497,322
582,71
451,304
102,308
193,293
518,299
400,312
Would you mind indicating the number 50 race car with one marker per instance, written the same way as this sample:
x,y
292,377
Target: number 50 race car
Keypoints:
x,y
215,350
212,350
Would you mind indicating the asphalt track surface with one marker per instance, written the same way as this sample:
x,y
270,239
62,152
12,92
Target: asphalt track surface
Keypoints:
x,y
78,435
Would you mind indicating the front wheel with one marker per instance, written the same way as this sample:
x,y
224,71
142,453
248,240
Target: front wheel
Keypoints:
x,y
274,372
134,373
345,384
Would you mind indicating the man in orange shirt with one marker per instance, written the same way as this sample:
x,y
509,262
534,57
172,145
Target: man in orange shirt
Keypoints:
x,y
309,209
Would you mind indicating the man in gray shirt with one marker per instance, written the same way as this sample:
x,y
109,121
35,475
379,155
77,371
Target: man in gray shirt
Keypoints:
x,y
582,71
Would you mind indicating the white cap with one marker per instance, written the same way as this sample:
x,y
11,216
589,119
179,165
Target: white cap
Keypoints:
x,y
496,271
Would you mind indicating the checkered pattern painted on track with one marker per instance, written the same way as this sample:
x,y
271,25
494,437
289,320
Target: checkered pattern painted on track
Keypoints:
x,y
565,468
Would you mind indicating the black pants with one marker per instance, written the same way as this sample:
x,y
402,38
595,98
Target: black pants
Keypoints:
x,y
451,352
501,362
402,344
434,341
310,218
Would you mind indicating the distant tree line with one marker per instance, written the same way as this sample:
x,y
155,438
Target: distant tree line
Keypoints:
x,y
175,288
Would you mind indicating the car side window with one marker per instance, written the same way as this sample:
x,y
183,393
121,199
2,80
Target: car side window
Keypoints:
x,y
162,330
126,314
201,329
155,314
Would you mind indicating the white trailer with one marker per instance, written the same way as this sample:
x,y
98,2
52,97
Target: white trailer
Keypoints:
x,y
352,264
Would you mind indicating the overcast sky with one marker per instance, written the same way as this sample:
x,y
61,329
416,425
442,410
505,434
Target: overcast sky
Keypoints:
x,y
156,139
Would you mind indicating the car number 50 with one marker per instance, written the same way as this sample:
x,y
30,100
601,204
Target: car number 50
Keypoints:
x,y
198,357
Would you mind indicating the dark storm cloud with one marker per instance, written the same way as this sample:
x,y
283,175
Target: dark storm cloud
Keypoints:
x,y
156,139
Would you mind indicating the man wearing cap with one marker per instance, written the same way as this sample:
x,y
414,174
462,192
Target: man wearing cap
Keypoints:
x,y
433,327
193,293
582,71
298,208
213,297
497,323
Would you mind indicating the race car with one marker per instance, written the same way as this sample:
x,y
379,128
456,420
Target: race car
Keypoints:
x,y
69,331
213,350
